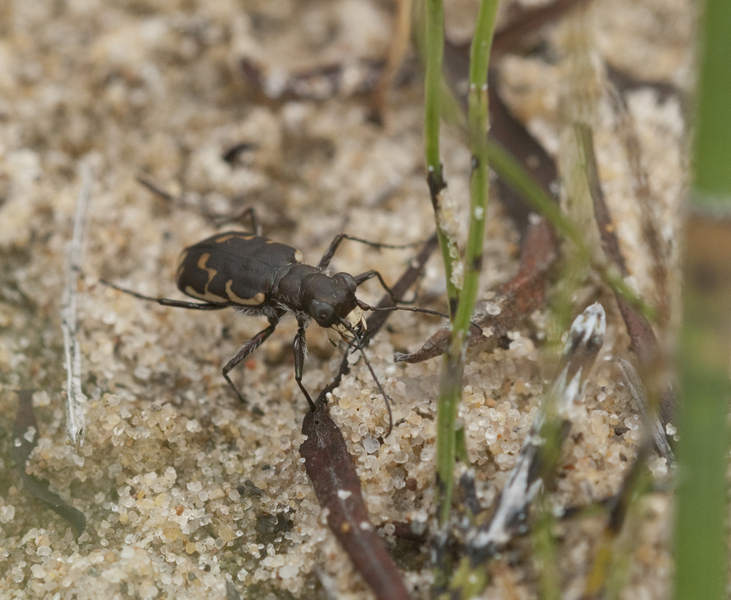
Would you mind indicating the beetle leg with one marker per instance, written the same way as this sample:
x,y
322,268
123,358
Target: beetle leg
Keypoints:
x,y
327,257
252,215
190,305
247,212
245,350
166,301
300,353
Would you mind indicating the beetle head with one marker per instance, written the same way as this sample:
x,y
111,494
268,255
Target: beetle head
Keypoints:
x,y
329,300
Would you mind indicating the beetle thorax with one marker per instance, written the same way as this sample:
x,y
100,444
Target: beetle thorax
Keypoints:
x,y
328,299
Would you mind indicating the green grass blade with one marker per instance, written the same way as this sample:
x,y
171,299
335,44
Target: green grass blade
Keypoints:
x,y
701,540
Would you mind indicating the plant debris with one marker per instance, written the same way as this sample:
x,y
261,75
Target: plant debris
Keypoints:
x,y
25,438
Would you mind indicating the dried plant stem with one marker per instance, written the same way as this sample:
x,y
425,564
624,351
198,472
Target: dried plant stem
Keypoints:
x,y
396,51
609,569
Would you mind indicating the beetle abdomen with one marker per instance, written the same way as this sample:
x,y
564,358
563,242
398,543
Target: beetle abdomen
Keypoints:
x,y
234,268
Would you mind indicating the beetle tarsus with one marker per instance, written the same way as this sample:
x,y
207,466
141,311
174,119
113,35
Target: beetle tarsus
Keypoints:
x,y
300,353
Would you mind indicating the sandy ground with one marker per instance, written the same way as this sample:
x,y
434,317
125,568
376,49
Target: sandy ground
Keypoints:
x,y
182,486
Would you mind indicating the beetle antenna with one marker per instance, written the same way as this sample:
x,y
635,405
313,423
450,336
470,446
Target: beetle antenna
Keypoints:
x,y
410,309
359,345
426,311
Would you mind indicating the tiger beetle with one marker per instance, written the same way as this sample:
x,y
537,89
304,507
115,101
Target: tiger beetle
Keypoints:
x,y
262,277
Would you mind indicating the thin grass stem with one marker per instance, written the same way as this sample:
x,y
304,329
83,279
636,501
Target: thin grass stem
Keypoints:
x,y
453,366
433,48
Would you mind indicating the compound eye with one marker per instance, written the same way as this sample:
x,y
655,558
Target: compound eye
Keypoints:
x,y
348,280
322,312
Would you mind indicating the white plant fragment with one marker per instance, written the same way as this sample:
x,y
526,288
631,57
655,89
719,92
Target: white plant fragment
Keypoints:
x,y
525,481
75,398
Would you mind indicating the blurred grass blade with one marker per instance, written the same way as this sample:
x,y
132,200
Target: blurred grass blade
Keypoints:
x,y
701,540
